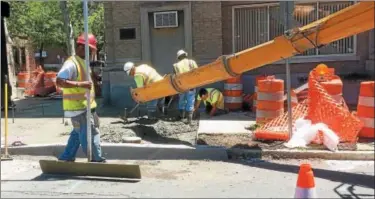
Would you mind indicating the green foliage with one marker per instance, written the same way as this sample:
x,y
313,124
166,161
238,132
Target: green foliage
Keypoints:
x,y
42,21
37,20
95,19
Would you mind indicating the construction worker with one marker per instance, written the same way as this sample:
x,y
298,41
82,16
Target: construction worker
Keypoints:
x,y
144,75
213,100
187,99
72,78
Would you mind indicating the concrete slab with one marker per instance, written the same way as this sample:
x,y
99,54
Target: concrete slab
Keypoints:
x,y
232,123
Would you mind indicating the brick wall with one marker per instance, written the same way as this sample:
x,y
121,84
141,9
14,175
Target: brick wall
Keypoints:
x,y
207,31
117,15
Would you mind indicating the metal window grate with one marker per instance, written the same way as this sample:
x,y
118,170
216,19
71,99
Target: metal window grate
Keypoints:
x,y
256,24
165,19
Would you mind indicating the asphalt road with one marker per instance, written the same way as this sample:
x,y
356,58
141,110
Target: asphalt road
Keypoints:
x,y
192,179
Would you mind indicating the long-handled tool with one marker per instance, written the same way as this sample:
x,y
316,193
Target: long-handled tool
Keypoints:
x,y
6,155
125,116
89,168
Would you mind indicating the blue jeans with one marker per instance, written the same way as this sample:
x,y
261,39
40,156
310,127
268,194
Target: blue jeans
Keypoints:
x,y
186,101
78,137
152,105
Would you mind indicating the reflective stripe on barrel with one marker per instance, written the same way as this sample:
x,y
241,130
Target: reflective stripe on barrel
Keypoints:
x,y
233,93
365,109
270,99
257,79
334,88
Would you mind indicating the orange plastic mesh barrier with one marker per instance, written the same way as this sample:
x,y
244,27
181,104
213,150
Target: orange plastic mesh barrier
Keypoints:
x,y
277,129
319,107
324,108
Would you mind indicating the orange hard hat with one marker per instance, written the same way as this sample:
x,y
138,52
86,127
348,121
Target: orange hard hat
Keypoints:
x,y
322,69
92,40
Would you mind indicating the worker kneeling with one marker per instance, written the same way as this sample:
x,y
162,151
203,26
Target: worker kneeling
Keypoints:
x,y
72,78
144,75
187,99
213,99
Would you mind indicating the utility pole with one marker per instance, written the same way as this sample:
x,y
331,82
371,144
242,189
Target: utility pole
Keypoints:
x,y
287,8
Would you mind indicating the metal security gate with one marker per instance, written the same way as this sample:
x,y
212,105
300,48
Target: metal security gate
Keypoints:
x,y
255,24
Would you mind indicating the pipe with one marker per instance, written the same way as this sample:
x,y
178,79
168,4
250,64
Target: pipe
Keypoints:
x,y
347,22
87,63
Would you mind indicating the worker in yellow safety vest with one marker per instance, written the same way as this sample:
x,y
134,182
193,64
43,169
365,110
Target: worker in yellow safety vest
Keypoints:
x,y
213,100
74,83
144,75
186,100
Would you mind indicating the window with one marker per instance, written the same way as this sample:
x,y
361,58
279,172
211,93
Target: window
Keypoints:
x,y
165,19
15,55
254,25
23,55
127,33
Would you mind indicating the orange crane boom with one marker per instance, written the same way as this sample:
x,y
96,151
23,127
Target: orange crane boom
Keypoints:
x,y
344,23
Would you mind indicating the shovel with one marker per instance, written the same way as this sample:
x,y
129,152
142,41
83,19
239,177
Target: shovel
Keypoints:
x,y
89,168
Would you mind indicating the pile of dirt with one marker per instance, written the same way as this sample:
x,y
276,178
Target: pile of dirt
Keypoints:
x,y
239,141
162,131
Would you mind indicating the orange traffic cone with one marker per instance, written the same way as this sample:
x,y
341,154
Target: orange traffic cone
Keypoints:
x,y
305,183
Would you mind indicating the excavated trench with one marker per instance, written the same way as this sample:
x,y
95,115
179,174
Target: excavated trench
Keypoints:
x,y
165,130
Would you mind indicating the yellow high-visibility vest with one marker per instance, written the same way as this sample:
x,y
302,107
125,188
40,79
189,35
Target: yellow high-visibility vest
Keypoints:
x,y
184,66
74,99
148,73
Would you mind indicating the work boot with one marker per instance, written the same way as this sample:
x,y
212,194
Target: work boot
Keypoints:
x,y
151,115
189,117
182,115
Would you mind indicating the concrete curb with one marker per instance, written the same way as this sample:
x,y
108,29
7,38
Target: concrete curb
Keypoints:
x,y
298,154
203,152
131,151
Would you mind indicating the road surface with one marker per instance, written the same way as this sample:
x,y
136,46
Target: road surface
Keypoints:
x,y
192,179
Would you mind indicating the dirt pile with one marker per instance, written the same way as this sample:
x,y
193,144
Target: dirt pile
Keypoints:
x,y
162,131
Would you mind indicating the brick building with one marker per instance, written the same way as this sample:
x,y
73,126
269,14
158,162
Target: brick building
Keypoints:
x,y
152,32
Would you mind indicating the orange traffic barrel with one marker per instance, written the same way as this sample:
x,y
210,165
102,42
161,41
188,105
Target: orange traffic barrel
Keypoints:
x,y
270,99
334,88
49,79
365,109
233,90
257,79
22,78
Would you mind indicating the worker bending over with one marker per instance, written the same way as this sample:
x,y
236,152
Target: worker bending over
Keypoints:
x,y
72,78
213,100
144,75
186,100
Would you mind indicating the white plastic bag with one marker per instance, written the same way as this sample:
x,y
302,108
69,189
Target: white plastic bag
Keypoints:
x,y
303,133
330,139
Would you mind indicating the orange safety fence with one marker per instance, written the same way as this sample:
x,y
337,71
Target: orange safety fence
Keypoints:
x,y
320,106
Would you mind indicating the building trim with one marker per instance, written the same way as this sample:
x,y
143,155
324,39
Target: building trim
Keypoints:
x,y
145,30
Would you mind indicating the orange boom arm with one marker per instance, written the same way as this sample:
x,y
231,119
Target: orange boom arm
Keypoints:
x,y
347,22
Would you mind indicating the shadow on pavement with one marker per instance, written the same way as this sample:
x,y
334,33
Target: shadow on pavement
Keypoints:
x,y
48,177
350,192
336,176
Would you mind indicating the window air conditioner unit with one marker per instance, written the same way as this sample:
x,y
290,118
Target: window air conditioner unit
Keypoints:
x,y
165,19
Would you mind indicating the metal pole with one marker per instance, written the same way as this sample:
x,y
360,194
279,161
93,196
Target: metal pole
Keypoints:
x,y
288,14
87,63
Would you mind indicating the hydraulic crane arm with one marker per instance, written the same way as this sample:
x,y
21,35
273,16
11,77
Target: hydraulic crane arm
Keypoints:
x,y
347,22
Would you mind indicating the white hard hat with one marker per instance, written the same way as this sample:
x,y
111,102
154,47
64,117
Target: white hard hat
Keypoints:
x,y
181,52
128,66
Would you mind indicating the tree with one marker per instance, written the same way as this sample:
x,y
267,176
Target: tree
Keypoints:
x,y
95,20
68,28
40,22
